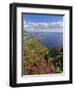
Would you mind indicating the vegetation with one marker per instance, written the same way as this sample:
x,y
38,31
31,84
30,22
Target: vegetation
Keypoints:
x,y
39,59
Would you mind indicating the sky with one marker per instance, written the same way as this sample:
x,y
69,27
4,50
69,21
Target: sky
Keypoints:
x,y
43,23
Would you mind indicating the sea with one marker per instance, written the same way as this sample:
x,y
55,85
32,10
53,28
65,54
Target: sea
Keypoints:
x,y
49,39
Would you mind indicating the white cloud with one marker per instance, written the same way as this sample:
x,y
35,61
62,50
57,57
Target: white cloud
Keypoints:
x,y
44,26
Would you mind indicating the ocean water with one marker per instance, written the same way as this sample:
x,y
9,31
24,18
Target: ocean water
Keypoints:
x,y
49,39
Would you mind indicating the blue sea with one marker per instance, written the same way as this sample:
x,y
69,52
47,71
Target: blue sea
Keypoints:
x,y
49,39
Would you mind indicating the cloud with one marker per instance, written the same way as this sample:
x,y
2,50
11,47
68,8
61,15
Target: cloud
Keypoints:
x,y
56,26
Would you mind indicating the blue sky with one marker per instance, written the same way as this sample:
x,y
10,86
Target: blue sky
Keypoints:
x,y
42,18
49,23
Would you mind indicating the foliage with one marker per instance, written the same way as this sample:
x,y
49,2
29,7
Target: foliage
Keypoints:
x,y
39,59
